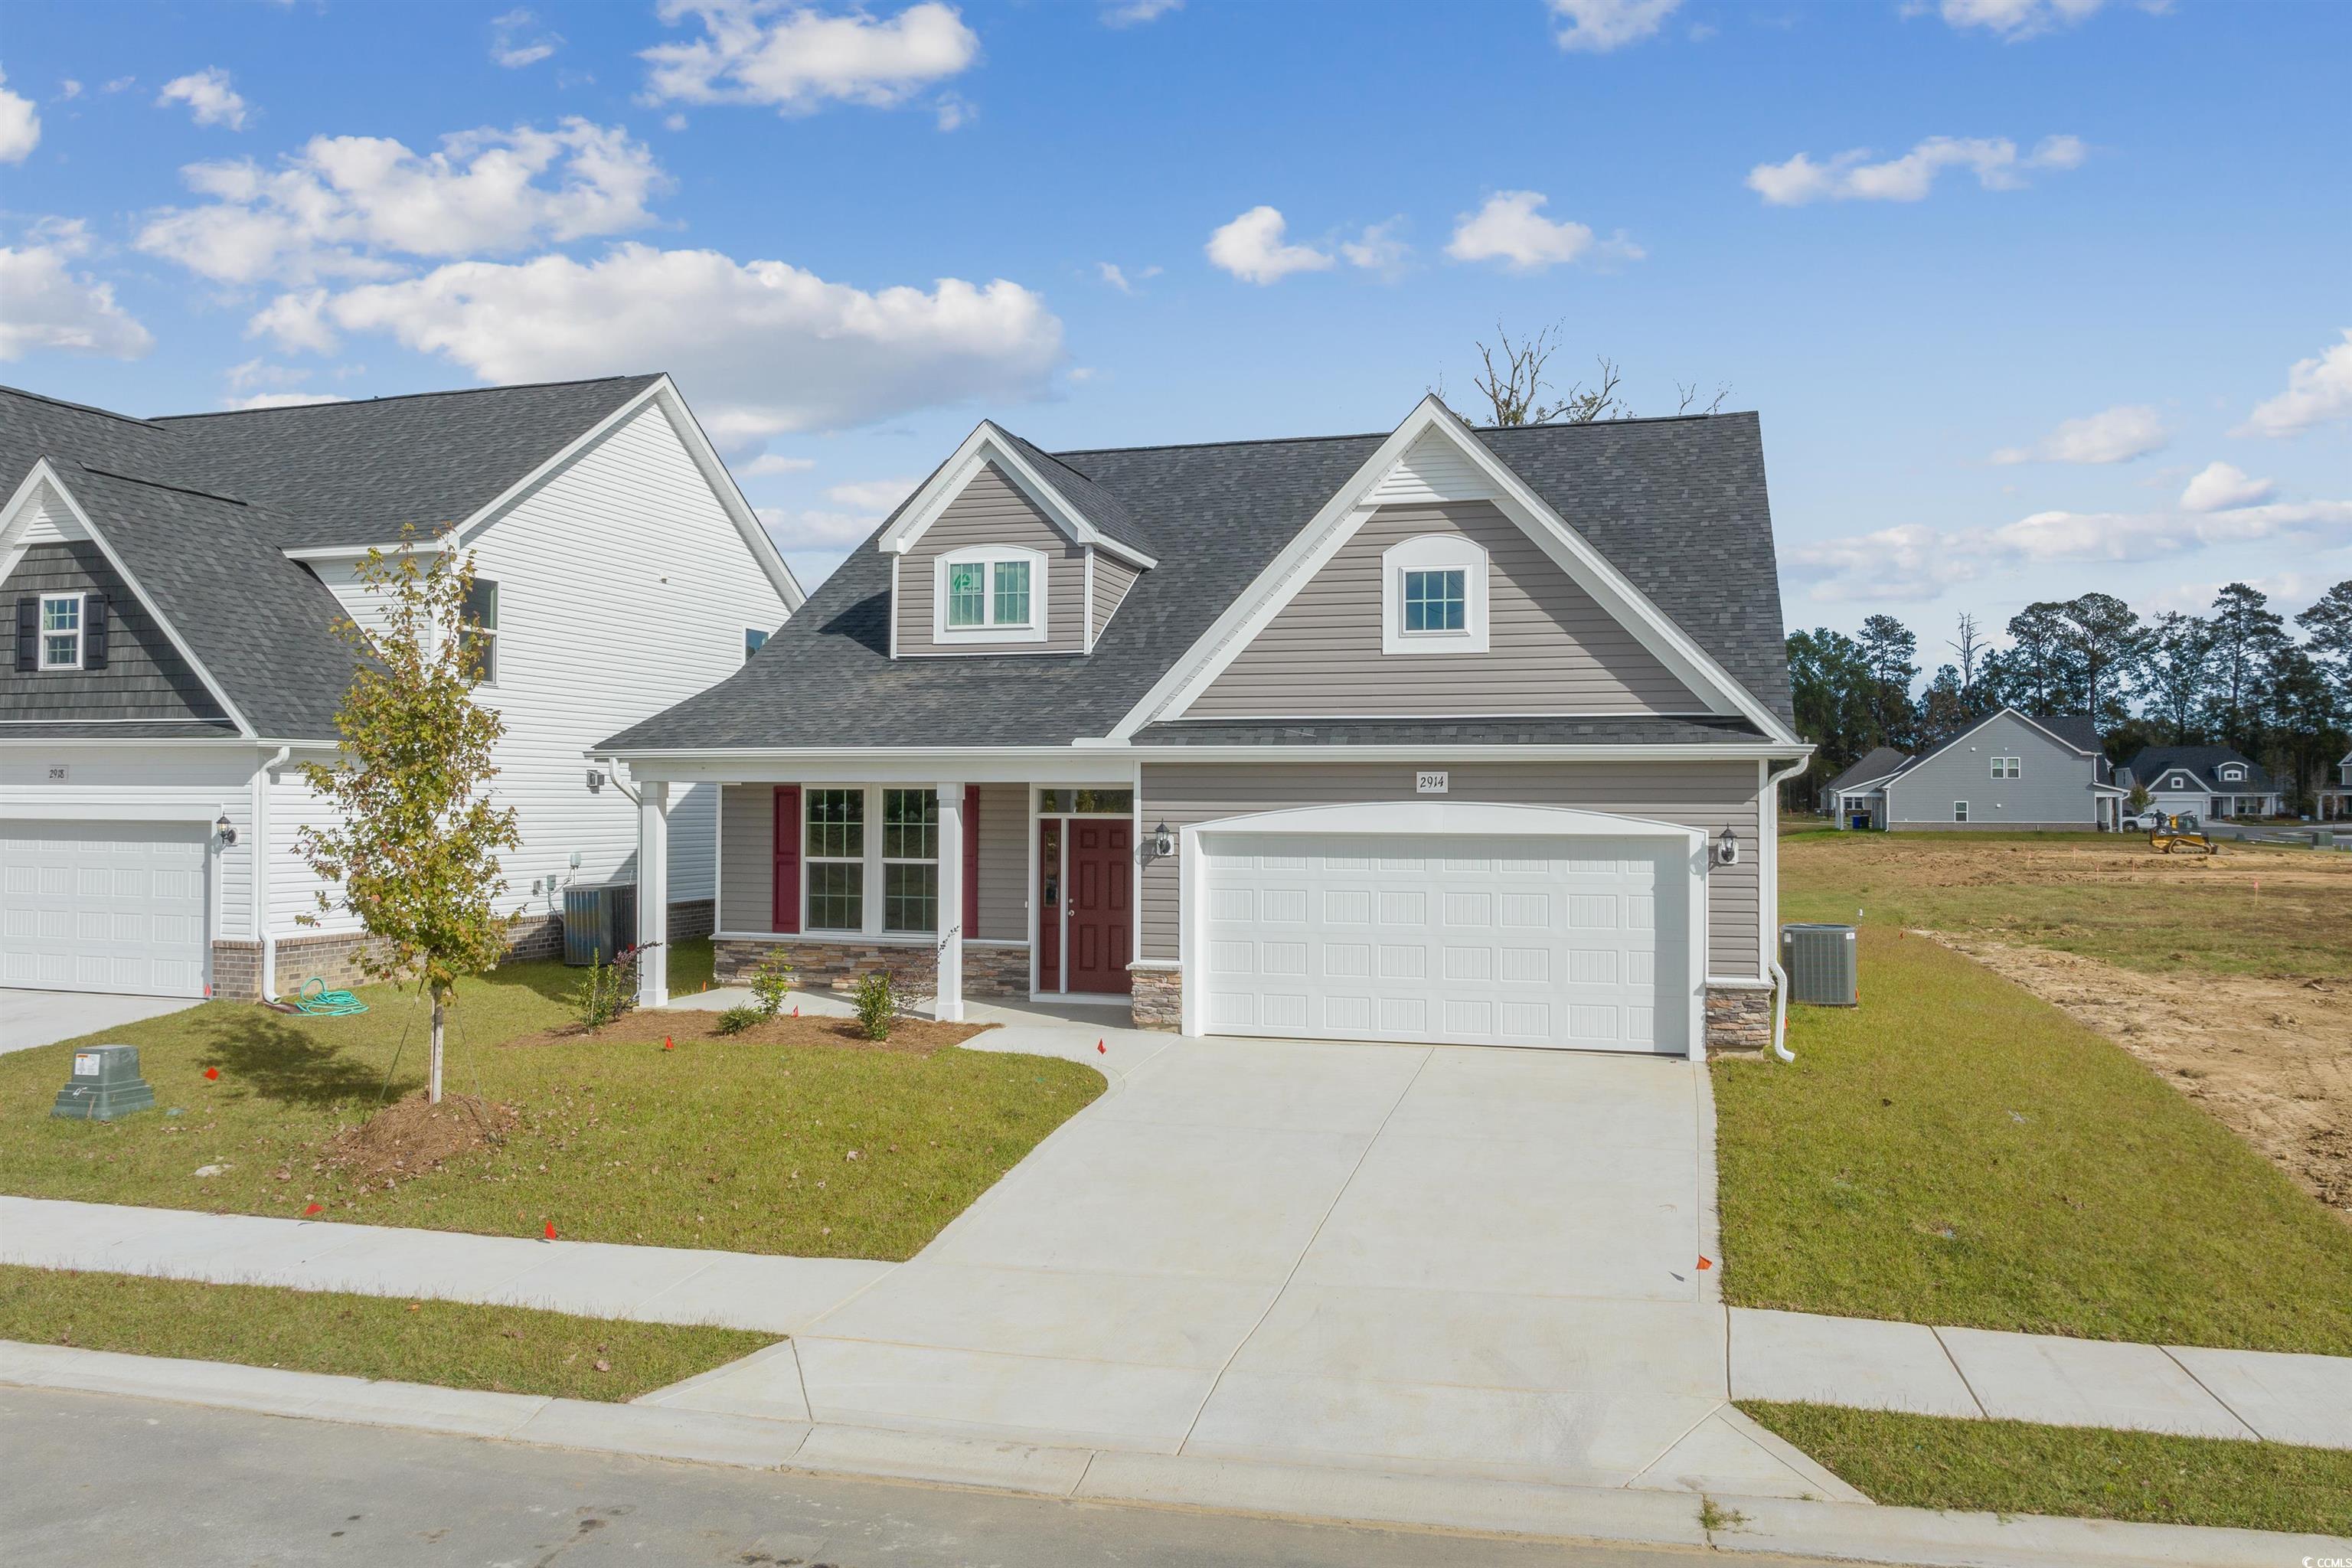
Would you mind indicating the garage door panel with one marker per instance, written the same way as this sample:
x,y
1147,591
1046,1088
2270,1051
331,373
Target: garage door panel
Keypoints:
x,y
117,907
1524,943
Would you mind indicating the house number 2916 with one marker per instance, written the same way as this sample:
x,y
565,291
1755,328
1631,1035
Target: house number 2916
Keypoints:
x,y
1429,783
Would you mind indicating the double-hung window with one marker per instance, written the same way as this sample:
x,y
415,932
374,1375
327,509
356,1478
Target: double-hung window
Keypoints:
x,y
2007,767
1959,811
910,860
479,621
61,631
991,594
834,851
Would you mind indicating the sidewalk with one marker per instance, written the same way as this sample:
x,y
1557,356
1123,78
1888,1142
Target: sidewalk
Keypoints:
x,y
1730,1523
1859,1362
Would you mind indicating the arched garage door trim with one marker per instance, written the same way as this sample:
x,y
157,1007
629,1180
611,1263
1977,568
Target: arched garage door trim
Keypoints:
x,y
1443,818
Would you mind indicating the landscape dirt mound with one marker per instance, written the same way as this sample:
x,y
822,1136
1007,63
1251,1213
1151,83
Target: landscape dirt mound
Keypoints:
x,y
410,1137
2272,1059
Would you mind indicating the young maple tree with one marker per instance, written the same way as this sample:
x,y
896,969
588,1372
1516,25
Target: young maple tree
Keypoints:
x,y
412,850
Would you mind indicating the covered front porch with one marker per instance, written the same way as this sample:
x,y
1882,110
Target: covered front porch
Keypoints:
x,y
958,887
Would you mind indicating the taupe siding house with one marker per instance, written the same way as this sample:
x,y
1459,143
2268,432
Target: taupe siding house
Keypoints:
x,y
2007,772
1440,734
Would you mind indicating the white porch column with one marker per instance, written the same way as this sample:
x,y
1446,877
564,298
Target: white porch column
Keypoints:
x,y
947,1006
653,894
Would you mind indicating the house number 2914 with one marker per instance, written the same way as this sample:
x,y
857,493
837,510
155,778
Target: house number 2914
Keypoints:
x,y
1429,783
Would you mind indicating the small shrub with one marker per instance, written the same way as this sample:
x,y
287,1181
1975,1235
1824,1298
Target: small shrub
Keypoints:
x,y
877,1003
735,1020
769,982
606,991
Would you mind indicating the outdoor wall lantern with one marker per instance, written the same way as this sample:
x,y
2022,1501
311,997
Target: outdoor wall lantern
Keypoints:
x,y
1158,845
1727,848
595,781
225,828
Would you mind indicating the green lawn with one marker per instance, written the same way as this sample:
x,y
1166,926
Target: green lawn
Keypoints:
x,y
2011,1467
507,1350
1955,1151
720,1143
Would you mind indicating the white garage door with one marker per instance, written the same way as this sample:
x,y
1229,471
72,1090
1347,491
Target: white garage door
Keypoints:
x,y
1568,942
103,907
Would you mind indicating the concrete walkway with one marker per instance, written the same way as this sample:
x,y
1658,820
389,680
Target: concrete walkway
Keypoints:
x,y
30,1018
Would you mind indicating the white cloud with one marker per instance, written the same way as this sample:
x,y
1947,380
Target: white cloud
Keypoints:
x,y
342,204
877,496
763,347
208,97
2016,19
1850,176
1118,278
814,529
1134,12
120,84
51,306
20,125
2318,392
2113,436
67,88
766,465
283,400
1251,248
1892,565
1596,26
2219,487
801,59
520,40
1378,249
1509,229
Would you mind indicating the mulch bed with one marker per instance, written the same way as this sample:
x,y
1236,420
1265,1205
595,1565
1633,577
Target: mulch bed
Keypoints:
x,y
410,1137
684,1026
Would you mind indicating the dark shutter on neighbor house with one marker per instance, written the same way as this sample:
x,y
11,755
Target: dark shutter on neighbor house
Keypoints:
x,y
785,915
93,631
970,861
28,633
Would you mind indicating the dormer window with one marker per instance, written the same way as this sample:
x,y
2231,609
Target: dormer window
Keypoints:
x,y
1433,596
2233,776
989,594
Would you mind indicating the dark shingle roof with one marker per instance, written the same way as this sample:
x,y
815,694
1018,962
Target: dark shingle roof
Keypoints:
x,y
1449,732
2154,761
1678,505
201,507
1874,764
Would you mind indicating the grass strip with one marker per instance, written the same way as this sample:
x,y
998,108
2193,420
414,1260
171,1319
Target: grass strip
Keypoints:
x,y
1957,1150
2079,1472
502,1350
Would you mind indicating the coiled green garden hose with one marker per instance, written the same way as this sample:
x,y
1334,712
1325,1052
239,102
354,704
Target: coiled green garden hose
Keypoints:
x,y
323,1003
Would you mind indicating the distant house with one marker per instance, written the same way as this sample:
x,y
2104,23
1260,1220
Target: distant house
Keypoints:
x,y
1852,799
2336,799
2206,781
2006,772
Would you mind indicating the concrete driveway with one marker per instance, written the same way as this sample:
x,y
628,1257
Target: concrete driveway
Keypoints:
x,y
1441,1260
30,1018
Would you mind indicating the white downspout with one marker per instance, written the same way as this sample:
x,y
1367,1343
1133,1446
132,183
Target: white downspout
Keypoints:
x,y
266,976
1771,803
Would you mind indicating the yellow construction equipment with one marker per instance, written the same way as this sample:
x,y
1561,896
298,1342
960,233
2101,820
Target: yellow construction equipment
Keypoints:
x,y
2179,835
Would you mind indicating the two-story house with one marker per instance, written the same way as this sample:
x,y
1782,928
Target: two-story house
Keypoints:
x,y
2006,772
2335,796
175,584
2206,782
1437,734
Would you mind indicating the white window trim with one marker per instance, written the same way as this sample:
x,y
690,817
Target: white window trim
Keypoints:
x,y
1959,811
489,634
81,612
880,850
2009,767
867,917
2233,776
1433,553
1035,630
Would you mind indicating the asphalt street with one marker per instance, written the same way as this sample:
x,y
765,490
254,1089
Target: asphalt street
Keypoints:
x,y
103,1479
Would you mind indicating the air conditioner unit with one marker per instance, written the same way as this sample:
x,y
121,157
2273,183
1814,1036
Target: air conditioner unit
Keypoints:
x,y
1819,963
599,924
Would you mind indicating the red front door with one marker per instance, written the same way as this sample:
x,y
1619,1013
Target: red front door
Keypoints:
x,y
1101,896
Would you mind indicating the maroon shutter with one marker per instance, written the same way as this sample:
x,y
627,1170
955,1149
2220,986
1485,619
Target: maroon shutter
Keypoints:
x,y
786,914
970,861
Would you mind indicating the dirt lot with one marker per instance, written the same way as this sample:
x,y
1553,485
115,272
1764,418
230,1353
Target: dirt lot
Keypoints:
x,y
2231,978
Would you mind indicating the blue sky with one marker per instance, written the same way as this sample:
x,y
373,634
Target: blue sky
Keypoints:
x,y
2006,278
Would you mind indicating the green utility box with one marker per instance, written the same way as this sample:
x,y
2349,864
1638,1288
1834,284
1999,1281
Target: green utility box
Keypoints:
x,y
105,1084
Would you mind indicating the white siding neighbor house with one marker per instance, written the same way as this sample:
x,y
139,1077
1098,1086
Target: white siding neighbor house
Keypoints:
x,y
175,583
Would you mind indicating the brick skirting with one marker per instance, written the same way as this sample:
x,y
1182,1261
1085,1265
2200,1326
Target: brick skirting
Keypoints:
x,y
334,956
993,970
996,970
1158,1001
1738,1020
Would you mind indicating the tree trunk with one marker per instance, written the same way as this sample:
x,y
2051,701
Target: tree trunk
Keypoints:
x,y
433,1086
